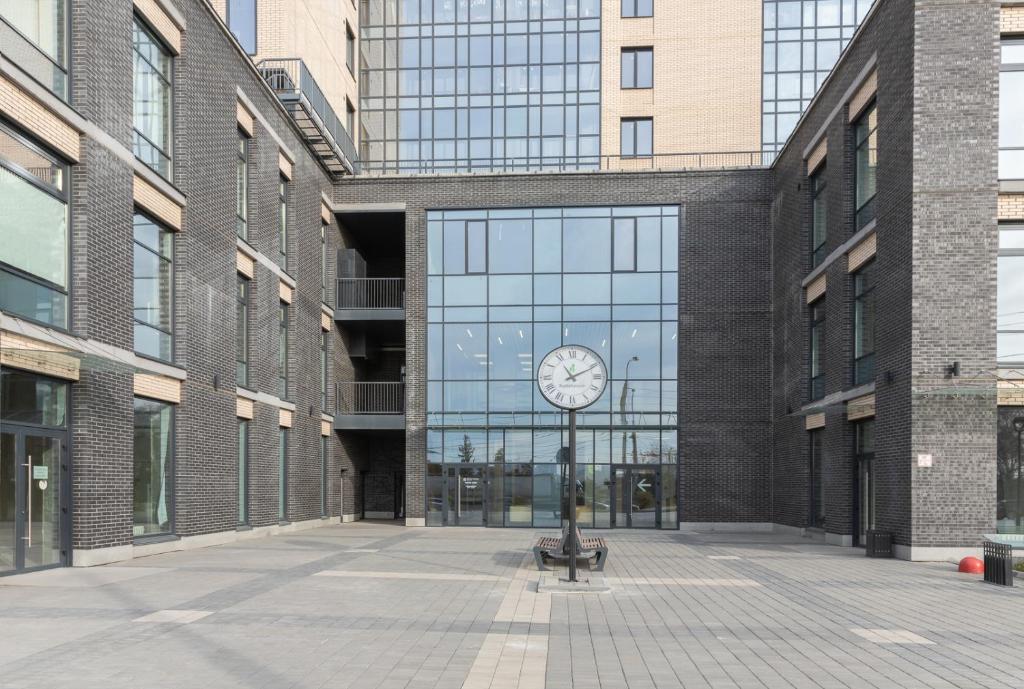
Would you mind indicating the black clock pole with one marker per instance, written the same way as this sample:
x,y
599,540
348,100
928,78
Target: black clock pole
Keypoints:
x,y
572,495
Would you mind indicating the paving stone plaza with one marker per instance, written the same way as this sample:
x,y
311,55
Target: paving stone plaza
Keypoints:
x,y
371,605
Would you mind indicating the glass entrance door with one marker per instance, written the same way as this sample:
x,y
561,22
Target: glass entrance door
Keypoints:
x,y
636,497
466,490
31,499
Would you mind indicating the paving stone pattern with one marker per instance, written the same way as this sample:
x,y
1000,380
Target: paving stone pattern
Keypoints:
x,y
372,605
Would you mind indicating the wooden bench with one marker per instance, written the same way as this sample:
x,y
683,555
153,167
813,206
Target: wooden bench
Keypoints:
x,y
557,548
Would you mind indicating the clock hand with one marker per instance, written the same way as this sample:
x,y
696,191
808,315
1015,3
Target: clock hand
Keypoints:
x,y
572,377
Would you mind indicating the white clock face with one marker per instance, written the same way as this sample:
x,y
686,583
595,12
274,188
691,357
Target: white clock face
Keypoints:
x,y
572,377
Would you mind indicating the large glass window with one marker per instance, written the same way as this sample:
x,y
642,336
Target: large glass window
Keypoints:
x,y
1010,471
152,105
801,43
34,34
1011,110
282,351
30,399
324,440
324,359
637,137
819,217
601,277
242,21
485,86
153,473
866,134
243,472
350,49
637,8
1010,297
637,68
864,325
282,475
153,288
34,228
817,386
242,332
242,186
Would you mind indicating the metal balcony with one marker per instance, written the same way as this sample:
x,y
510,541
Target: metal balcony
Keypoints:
x,y
370,299
370,406
302,97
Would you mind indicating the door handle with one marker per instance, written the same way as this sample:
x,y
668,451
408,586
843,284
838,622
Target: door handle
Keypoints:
x,y
28,497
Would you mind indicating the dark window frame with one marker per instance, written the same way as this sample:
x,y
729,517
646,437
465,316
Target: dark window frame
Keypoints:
x,y
816,497
244,507
350,49
172,488
1011,67
324,440
634,121
154,36
818,184
255,27
282,474
817,320
242,185
64,64
62,194
171,287
283,192
242,310
324,368
864,364
1017,362
864,211
284,349
632,84
323,262
633,9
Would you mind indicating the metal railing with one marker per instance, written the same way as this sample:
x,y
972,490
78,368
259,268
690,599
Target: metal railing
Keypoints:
x,y
660,161
301,95
370,398
371,293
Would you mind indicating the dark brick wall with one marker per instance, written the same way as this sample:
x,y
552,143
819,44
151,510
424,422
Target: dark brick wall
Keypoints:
x,y
725,327
204,289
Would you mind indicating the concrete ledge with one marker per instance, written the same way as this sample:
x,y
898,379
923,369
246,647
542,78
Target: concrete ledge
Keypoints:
x,y
727,527
935,553
415,521
842,540
105,556
348,518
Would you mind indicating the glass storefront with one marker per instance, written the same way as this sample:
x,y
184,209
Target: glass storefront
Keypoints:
x,y
153,468
1009,471
504,288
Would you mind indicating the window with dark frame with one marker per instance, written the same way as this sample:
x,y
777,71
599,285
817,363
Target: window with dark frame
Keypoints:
x,y
816,487
637,137
243,472
323,475
152,100
637,8
242,186
1011,110
242,333
282,351
864,324
817,369
282,222
153,468
637,68
323,263
1010,297
350,49
153,288
323,369
241,19
38,35
866,156
282,475
819,217
34,255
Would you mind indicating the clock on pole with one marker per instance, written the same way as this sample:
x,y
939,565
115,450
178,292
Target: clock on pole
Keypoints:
x,y
572,377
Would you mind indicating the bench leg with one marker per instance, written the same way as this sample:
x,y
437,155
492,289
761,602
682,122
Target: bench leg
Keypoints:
x,y
602,555
538,555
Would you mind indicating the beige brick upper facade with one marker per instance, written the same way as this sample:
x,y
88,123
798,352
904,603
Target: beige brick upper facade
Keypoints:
x,y
313,30
1011,20
707,75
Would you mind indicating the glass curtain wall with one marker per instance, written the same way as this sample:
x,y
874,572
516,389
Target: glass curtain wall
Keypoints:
x,y
461,86
802,41
504,288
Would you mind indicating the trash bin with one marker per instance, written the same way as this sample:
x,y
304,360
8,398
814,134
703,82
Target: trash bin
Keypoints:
x,y
879,543
999,563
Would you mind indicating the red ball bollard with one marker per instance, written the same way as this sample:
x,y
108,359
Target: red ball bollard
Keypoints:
x,y
972,565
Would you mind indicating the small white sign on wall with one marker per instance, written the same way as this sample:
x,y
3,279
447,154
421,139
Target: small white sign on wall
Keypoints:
x,y
924,461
